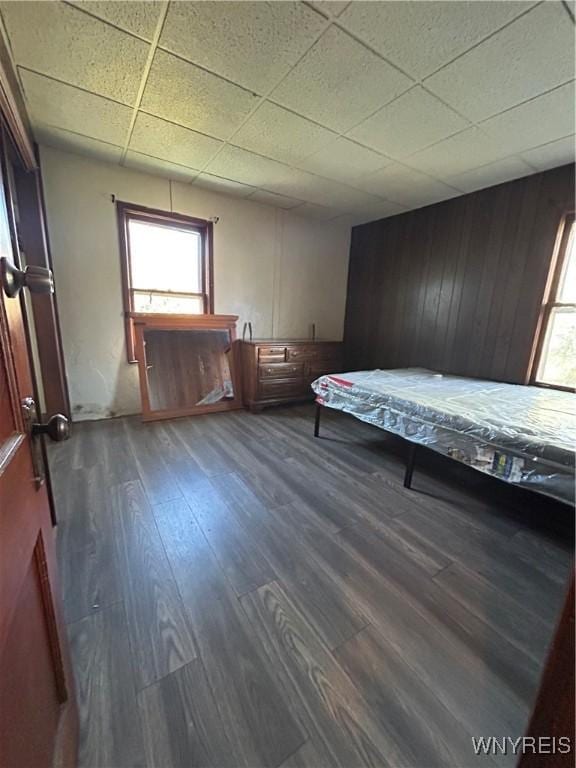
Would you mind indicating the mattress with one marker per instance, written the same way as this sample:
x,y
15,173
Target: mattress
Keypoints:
x,y
521,434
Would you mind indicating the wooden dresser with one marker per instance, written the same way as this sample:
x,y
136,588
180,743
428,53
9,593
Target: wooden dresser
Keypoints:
x,y
275,371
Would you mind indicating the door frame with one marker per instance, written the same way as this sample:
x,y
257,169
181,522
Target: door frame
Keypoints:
x,y
32,235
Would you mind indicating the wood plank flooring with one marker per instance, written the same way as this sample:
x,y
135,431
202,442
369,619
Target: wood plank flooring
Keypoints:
x,y
240,594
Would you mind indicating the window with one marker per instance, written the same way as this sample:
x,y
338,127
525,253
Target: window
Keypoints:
x,y
556,356
166,264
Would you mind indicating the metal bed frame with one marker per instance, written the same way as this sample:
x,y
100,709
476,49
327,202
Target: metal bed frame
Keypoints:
x,y
410,461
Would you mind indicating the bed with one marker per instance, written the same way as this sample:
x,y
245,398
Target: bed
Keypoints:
x,y
520,434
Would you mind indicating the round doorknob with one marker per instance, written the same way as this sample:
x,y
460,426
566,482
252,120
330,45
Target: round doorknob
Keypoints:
x,y
36,279
57,428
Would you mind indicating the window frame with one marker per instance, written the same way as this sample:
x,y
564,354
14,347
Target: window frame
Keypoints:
x,y
550,300
126,212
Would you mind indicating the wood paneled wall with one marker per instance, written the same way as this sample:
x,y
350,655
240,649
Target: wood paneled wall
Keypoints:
x,y
457,286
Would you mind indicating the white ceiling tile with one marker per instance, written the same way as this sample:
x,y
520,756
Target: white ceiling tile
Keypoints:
x,y
318,212
466,150
343,160
167,141
154,165
554,153
420,37
379,210
53,103
357,201
339,82
250,43
187,110
64,43
331,7
248,168
357,220
315,189
272,176
73,142
407,187
550,116
134,16
302,186
570,6
282,135
489,175
222,186
532,55
411,122
270,198
351,200
185,94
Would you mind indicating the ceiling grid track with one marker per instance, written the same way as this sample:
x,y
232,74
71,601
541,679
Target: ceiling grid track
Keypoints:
x,y
145,75
333,21
338,187
264,98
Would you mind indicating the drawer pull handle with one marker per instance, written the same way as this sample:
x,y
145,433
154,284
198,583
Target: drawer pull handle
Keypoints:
x,y
283,370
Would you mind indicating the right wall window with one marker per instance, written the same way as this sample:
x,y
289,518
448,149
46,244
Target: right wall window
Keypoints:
x,y
556,359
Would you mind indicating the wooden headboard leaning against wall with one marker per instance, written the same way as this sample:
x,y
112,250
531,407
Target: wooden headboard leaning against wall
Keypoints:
x,y
457,286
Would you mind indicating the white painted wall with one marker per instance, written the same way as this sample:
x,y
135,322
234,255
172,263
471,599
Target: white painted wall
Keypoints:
x,y
278,270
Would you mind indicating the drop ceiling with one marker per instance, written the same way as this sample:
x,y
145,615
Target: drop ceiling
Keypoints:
x,y
360,109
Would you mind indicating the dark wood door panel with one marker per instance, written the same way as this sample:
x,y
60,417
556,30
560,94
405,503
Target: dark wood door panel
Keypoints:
x,y
32,692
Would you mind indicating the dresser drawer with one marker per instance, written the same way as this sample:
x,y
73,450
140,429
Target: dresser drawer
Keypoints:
x,y
271,354
280,370
312,352
278,388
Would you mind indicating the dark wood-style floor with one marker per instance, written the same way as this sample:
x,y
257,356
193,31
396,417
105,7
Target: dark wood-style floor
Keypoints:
x,y
238,593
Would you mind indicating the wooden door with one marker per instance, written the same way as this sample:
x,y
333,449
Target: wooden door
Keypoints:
x,y
38,720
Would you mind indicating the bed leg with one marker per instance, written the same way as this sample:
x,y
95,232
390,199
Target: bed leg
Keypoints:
x,y
317,420
410,466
